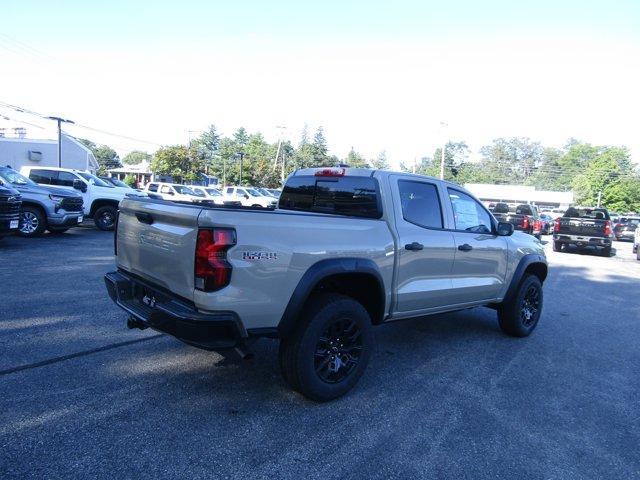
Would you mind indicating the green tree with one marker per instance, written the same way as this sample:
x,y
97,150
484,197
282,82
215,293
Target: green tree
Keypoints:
x,y
241,137
106,156
179,162
320,150
135,157
355,160
130,180
512,160
380,162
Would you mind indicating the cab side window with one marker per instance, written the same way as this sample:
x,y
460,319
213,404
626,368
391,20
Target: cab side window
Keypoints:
x,y
153,187
46,177
65,179
468,214
166,189
420,203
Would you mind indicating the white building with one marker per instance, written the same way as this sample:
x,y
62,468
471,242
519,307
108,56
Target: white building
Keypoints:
x,y
141,171
518,194
20,152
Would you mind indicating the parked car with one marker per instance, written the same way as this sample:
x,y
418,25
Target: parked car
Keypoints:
x,y
345,249
100,199
215,196
524,217
626,228
636,243
249,197
583,227
43,207
546,227
275,192
10,204
265,192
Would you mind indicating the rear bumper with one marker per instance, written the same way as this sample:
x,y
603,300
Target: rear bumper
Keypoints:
x,y
169,314
582,241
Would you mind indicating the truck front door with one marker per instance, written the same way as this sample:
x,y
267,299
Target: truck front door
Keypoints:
x,y
480,263
425,249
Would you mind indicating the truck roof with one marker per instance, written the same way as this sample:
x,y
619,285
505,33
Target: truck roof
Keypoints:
x,y
366,172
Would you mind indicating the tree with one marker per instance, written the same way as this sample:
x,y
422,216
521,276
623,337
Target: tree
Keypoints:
x,y
106,156
130,180
512,160
135,157
241,137
380,162
320,150
355,160
179,162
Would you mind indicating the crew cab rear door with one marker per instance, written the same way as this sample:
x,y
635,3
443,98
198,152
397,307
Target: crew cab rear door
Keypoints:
x,y
156,240
425,249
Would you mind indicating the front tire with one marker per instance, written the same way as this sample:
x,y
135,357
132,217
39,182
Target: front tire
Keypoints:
x,y
519,316
105,218
606,252
329,350
557,246
32,222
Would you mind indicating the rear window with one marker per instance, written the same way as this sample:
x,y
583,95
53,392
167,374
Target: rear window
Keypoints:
x,y
524,210
591,213
352,196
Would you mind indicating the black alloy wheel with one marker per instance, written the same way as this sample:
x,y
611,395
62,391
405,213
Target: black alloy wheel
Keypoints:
x,y
530,306
338,350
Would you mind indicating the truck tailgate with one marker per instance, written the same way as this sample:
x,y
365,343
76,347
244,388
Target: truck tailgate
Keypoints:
x,y
580,226
156,241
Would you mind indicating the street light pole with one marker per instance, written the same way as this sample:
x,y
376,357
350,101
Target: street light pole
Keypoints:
x,y
241,155
442,151
60,120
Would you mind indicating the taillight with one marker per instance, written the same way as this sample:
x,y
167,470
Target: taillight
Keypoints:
x,y
212,270
331,172
525,222
556,225
607,228
537,225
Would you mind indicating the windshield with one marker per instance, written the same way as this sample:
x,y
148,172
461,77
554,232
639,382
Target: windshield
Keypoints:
x,y
213,192
181,189
253,192
15,178
93,180
119,183
589,213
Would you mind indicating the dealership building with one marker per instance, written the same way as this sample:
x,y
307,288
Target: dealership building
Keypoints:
x,y
21,152
518,194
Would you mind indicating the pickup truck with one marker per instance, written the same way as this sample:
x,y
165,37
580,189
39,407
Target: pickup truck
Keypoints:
x,y
583,227
345,249
10,204
43,207
524,218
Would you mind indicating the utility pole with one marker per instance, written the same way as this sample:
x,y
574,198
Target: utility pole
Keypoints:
x,y
60,121
444,146
275,160
284,161
241,155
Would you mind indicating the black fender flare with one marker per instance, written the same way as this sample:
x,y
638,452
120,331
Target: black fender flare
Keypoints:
x,y
316,273
525,262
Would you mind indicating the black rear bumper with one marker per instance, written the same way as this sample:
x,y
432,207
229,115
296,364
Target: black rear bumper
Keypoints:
x,y
167,313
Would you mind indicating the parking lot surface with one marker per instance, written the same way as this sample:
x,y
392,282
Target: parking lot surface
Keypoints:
x,y
448,396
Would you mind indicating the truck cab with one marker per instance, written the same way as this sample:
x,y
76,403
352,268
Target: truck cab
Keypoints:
x,y
100,199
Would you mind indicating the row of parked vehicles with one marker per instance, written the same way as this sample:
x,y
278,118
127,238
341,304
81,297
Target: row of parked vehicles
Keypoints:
x,y
39,199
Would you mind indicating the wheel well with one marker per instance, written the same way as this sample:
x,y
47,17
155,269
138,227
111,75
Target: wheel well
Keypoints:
x,y
102,203
537,269
35,205
362,287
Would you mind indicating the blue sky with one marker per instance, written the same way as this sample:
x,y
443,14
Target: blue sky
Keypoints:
x,y
376,75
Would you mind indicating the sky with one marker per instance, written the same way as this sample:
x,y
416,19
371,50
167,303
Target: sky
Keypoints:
x,y
376,75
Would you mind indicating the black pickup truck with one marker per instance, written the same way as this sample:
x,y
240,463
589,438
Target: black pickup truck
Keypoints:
x,y
524,217
10,204
583,227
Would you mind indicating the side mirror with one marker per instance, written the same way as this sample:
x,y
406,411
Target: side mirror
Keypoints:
x,y
504,229
246,196
170,193
80,185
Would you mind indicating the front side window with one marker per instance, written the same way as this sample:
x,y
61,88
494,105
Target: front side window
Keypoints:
x,y
153,187
65,179
420,203
468,214
229,191
166,189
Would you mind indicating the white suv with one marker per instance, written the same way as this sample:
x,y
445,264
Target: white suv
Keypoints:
x,y
214,195
100,199
249,197
174,192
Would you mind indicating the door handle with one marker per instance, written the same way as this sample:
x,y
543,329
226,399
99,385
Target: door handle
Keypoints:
x,y
144,217
414,246
465,247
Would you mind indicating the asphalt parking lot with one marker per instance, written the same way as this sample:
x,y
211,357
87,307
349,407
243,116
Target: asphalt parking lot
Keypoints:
x,y
449,396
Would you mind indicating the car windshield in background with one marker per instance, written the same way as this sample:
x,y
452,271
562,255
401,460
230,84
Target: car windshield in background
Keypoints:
x,y
213,192
15,178
93,180
501,208
524,210
182,190
590,213
120,183
254,193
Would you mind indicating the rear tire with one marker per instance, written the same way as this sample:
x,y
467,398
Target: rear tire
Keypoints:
x,y
519,315
105,218
637,253
33,222
606,252
329,349
557,246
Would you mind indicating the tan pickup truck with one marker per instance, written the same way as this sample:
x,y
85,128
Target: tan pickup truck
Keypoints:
x,y
346,249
